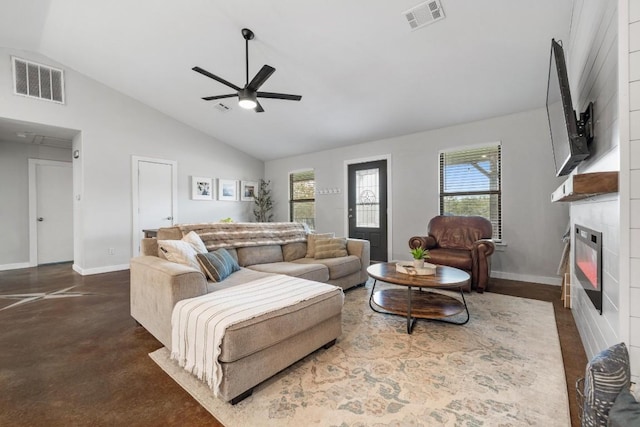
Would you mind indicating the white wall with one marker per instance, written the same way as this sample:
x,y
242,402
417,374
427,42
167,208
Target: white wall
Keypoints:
x,y
592,59
630,170
532,226
113,128
14,194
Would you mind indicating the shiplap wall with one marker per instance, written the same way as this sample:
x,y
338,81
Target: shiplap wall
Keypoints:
x,y
633,175
592,59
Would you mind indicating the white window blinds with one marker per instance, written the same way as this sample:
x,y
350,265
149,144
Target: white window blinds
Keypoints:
x,y
471,184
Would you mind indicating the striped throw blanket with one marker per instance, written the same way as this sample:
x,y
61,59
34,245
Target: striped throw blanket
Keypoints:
x,y
217,235
199,324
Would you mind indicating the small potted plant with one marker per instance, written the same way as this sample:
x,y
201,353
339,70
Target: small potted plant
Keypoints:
x,y
419,254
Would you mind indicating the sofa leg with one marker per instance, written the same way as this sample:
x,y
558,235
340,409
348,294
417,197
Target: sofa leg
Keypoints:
x,y
329,344
241,397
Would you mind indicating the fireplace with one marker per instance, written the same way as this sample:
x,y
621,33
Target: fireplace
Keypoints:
x,y
588,263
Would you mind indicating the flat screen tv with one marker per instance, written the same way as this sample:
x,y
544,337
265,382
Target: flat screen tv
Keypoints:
x,y
570,137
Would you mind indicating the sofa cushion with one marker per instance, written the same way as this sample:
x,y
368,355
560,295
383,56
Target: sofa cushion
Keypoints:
x,y
338,267
180,252
247,337
457,258
194,240
293,251
218,265
331,248
311,242
241,276
259,255
309,271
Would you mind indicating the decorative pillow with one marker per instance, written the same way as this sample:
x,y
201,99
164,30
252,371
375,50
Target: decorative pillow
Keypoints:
x,y
625,411
293,251
179,251
311,242
218,265
607,374
194,240
331,248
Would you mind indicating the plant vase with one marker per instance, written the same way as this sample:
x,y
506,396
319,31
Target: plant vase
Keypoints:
x,y
418,263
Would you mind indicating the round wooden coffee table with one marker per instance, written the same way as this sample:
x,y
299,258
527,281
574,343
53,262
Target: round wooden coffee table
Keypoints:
x,y
416,302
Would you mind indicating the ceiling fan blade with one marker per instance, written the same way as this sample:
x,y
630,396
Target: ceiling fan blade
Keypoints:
x,y
211,98
214,77
258,108
262,76
279,96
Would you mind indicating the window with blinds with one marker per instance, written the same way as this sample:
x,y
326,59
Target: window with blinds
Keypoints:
x,y
471,184
37,81
302,203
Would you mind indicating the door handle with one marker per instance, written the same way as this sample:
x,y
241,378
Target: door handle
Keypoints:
x,y
169,218
40,219
350,216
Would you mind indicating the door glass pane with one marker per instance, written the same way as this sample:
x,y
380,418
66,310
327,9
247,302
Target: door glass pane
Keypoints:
x,y
368,198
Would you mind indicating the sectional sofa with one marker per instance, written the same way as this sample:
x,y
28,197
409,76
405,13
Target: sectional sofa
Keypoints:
x,y
255,349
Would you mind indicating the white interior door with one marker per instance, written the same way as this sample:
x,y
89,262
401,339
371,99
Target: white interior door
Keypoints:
x,y
54,212
156,193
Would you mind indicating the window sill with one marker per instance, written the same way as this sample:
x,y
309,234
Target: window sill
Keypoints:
x,y
500,246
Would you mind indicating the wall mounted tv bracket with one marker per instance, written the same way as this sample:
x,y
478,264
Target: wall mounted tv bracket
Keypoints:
x,y
585,124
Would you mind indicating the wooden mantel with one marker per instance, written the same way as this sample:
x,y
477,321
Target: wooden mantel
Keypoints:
x,y
581,186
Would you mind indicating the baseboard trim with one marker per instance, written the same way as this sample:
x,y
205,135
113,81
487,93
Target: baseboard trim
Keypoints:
x,y
15,266
99,270
556,281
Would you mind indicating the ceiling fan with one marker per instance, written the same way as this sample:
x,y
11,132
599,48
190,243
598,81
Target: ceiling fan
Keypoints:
x,y
249,94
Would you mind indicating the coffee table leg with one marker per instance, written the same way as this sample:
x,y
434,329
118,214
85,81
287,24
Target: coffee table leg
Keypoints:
x,y
373,289
466,308
409,319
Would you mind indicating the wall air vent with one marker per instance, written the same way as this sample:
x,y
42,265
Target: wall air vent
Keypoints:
x,y
222,107
37,81
424,14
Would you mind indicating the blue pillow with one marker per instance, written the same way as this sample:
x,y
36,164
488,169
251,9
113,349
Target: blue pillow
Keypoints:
x,y
218,265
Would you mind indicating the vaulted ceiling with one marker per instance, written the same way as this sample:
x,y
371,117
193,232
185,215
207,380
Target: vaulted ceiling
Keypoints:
x,y
362,72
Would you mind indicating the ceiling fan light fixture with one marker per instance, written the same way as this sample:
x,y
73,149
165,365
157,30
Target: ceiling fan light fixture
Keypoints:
x,y
247,99
248,104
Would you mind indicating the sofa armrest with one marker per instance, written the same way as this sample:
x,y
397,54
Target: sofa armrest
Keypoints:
x,y
156,286
484,247
481,256
362,249
424,242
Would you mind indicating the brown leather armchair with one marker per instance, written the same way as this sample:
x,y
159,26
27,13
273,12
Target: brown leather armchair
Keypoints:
x,y
462,242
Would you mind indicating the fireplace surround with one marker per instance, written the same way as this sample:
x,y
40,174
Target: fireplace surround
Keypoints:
x,y
588,263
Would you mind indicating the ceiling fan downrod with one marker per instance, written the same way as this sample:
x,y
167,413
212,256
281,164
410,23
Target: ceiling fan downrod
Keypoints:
x,y
248,35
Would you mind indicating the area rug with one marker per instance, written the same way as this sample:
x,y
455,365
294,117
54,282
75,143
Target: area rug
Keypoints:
x,y
503,368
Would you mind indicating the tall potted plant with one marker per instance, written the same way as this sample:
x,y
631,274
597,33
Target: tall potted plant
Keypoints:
x,y
263,202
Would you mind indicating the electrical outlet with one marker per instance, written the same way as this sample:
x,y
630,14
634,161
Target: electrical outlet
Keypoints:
x,y
112,251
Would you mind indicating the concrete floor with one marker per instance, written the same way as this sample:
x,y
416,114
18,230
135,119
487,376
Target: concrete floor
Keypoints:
x,y
70,354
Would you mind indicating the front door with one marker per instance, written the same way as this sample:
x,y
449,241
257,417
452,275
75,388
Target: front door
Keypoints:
x,y
54,211
367,207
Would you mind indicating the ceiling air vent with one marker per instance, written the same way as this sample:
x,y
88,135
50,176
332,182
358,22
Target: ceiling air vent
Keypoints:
x,y
222,107
37,81
424,14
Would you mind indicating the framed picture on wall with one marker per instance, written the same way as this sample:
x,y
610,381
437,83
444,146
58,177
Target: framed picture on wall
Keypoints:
x,y
228,189
201,188
248,190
